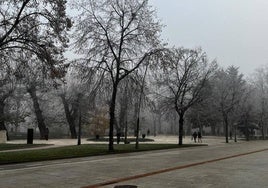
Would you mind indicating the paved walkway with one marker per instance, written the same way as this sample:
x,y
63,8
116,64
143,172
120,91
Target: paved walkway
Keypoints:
x,y
242,164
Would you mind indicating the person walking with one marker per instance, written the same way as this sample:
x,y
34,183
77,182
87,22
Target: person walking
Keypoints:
x,y
194,136
199,137
46,133
118,136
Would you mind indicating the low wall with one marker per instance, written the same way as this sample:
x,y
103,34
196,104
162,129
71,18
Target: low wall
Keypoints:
x,y
3,137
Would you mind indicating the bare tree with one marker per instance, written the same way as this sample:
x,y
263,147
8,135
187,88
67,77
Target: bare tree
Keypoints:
x,y
245,115
260,84
118,36
37,79
204,114
127,95
7,87
82,83
124,102
229,87
182,79
71,112
15,111
36,26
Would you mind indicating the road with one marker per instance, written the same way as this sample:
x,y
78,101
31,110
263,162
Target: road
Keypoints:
x,y
243,164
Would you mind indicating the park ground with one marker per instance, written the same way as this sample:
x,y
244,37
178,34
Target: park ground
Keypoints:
x,y
242,164
163,139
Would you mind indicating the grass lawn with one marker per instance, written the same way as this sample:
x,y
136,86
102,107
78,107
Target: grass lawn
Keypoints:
x,y
4,147
78,151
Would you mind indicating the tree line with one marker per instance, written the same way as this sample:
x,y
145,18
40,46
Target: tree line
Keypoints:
x,y
123,78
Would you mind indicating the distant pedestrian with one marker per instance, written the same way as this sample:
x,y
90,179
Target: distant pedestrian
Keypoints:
x,y
46,133
199,137
194,136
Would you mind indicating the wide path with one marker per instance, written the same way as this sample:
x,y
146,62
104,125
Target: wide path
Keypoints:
x,y
243,164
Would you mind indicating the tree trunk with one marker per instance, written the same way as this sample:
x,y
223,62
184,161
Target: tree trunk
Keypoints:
x,y
123,114
225,119
235,132
181,121
159,124
126,125
126,132
122,117
69,117
137,136
38,112
2,118
135,116
213,130
262,132
139,107
2,115
247,130
112,117
154,125
79,128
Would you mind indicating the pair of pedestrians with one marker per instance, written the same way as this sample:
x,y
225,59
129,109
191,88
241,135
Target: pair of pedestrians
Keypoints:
x,y
197,135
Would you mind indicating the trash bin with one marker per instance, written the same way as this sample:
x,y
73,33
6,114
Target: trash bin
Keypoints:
x,y
30,136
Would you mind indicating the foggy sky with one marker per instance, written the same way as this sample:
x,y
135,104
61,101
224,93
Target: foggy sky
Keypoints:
x,y
235,32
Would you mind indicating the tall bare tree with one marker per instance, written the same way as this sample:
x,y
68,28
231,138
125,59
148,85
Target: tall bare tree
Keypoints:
x,y
38,27
204,114
182,79
229,87
36,76
118,36
260,84
245,114
82,83
7,86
